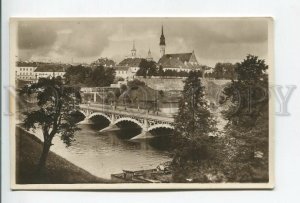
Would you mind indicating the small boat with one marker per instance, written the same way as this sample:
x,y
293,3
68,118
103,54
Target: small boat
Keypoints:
x,y
161,173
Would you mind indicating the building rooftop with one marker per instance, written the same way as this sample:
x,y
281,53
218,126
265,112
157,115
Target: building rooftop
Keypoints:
x,y
182,57
131,62
179,60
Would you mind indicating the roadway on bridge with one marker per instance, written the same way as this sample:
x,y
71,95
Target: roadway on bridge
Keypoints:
x,y
141,113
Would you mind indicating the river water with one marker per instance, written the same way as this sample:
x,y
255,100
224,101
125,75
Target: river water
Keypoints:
x,y
103,154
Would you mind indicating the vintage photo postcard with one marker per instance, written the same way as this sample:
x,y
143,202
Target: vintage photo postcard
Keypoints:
x,y
141,103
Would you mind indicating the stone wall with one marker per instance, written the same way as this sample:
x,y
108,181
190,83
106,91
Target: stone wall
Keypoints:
x,y
168,84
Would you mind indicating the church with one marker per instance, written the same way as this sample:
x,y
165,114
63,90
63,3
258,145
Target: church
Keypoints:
x,y
176,61
128,67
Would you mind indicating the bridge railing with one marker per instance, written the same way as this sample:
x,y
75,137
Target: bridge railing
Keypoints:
x,y
128,111
132,110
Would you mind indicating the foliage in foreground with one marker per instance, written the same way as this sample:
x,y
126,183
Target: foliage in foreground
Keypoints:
x,y
193,125
241,154
55,102
247,131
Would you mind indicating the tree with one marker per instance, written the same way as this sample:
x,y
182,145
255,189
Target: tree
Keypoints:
x,y
194,122
101,77
247,130
248,94
98,76
56,103
77,75
147,68
160,71
152,70
224,71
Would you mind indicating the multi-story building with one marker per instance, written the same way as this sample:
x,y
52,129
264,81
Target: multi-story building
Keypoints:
x,y
25,70
128,67
49,71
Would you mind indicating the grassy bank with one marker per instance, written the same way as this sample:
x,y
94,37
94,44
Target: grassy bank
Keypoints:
x,y
58,170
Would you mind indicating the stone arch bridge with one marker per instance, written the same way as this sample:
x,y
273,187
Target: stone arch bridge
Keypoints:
x,y
147,122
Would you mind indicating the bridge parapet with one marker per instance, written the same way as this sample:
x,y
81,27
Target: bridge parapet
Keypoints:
x,y
135,114
146,121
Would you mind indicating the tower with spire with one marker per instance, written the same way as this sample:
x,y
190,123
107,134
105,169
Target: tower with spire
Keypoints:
x,y
149,57
133,51
162,42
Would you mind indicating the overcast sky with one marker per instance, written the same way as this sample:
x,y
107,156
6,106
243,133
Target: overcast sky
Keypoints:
x,y
213,40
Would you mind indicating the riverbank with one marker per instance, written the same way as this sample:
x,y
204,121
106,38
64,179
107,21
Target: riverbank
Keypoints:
x,y
58,170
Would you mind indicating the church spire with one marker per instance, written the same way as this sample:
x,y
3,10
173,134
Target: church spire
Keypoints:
x,y
149,57
162,37
162,42
133,51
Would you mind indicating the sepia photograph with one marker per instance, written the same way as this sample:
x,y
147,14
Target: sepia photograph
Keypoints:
x,y
141,103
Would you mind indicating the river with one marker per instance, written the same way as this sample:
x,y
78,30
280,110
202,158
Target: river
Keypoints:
x,y
103,154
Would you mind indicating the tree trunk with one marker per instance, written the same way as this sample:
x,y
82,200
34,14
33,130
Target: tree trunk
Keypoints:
x,y
42,162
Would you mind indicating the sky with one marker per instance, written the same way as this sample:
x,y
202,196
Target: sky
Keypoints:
x,y
85,40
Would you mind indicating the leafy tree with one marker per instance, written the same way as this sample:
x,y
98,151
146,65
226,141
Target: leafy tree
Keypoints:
x,y
123,88
174,73
109,76
152,70
77,75
101,77
147,68
248,94
91,77
224,71
160,71
194,122
56,103
247,130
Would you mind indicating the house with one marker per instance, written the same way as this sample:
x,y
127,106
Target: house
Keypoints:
x,y
121,72
49,71
128,67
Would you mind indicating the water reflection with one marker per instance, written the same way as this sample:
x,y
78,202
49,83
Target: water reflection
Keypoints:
x,y
105,153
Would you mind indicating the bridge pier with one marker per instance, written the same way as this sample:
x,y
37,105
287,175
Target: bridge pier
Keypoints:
x,y
85,121
111,127
143,135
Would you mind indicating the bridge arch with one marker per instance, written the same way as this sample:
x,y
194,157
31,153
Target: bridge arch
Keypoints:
x,y
129,119
161,125
100,114
81,111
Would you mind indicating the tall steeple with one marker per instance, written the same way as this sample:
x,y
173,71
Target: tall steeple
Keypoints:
x,y
133,51
162,42
149,57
